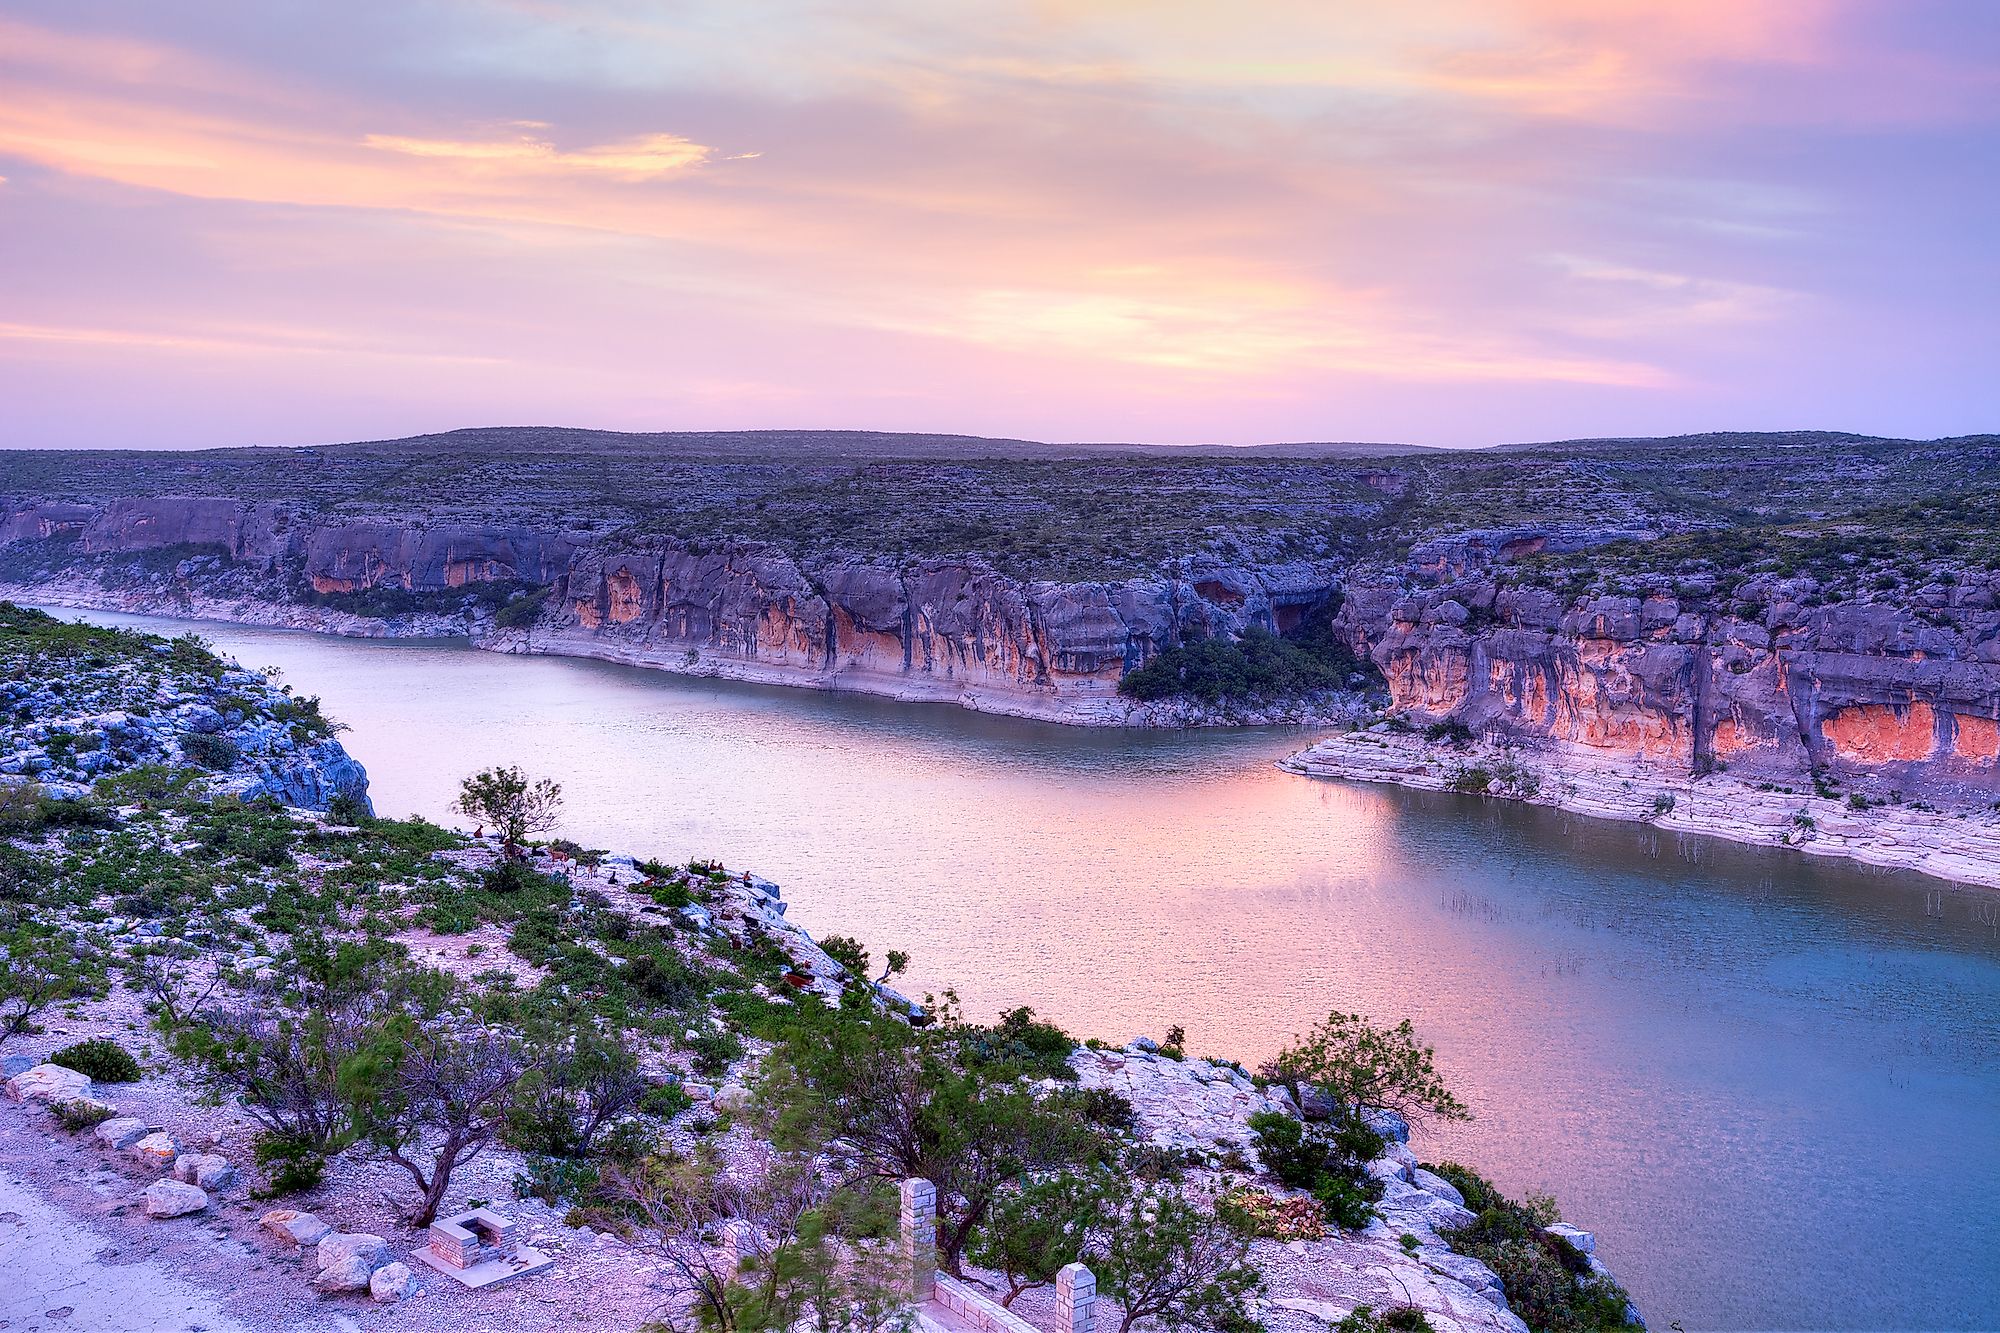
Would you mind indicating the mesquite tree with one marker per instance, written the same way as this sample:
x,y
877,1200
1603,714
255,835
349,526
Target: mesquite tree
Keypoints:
x,y
440,1095
1172,1263
514,805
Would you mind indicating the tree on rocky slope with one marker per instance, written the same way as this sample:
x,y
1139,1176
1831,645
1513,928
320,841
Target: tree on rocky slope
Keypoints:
x,y
1363,1066
1034,1229
38,968
896,1102
807,1252
435,1092
516,806
288,1048
1172,1263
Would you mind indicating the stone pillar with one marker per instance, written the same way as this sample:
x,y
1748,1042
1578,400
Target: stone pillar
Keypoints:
x,y
920,1236
1076,1299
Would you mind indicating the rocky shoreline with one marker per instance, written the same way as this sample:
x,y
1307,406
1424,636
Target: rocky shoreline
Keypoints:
x,y
1960,843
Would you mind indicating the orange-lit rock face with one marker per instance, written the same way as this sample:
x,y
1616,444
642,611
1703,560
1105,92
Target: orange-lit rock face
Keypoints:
x,y
1975,740
479,569
1434,682
1731,738
625,598
1881,733
327,583
1523,686
586,612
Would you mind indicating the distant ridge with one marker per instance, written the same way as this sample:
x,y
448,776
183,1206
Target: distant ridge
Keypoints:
x,y
838,444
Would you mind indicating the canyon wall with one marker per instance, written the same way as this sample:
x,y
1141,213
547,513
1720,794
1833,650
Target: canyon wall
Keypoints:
x,y
953,630
1774,683
1876,698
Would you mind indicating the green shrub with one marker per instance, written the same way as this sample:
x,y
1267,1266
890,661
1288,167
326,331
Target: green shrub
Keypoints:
x,y
211,751
1396,1319
1549,1282
75,1115
1259,665
292,1164
1018,1043
712,1051
1328,1159
348,810
104,1060
512,877
1450,732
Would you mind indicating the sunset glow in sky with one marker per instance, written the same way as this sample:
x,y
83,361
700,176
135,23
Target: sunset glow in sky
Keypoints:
x,y
1436,221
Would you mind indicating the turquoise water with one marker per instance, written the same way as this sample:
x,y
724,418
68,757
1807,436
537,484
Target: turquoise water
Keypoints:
x,y
1772,1087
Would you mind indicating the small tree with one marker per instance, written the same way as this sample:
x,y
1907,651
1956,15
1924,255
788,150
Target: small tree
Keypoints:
x,y
1169,1262
1362,1066
437,1097
1033,1230
289,1049
516,807
892,1100
581,1084
810,1268
38,968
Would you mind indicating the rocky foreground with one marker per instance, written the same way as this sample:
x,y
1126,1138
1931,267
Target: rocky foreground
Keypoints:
x,y
166,881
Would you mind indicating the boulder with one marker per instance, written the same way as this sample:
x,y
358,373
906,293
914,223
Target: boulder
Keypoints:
x,y
346,1262
171,1198
1463,1268
391,1283
121,1132
1430,1182
1584,1241
293,1227
156,1149
48,1083
11,1065
210,1170
732,1097
1389,1125
1386,1169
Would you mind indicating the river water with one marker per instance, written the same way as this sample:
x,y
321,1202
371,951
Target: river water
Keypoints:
x,y
1771,1086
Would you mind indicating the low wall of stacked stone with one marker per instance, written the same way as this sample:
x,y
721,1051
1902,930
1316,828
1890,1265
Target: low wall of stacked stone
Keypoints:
x,y
981,1312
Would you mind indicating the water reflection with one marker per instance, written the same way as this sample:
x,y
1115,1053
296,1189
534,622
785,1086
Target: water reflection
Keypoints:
x,y
1771,1085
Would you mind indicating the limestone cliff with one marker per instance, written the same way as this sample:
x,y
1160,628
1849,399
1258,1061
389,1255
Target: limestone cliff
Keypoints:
x,y
1795,679
1879,698
952,629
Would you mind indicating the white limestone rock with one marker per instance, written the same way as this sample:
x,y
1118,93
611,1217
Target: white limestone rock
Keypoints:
x,y
120,1132
293,1227
48,1083
347,1261
1577,1236
156,1149
391,1283
1430,1182
172,1198
210,1170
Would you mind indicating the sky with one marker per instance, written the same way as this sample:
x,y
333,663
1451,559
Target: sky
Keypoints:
x,y
1450,222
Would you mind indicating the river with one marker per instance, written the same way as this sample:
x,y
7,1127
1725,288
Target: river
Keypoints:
x,y
1771,1086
